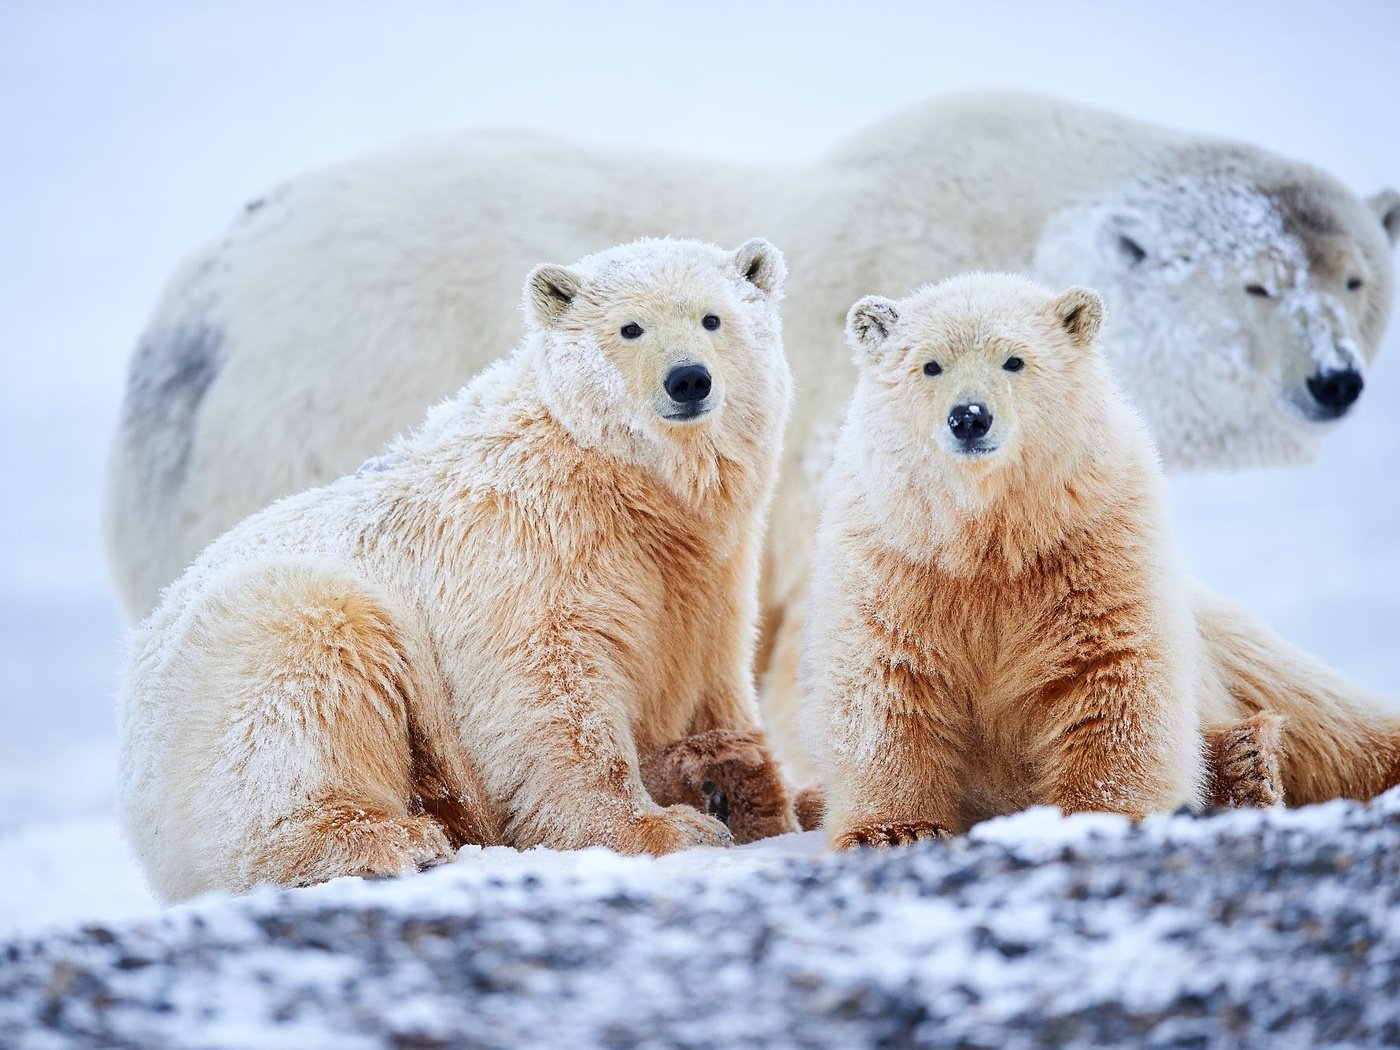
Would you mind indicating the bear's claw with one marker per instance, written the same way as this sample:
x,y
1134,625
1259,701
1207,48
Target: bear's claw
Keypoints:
x,y
890,833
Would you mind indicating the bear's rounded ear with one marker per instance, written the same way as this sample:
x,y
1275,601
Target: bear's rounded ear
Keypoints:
x,y
1386,205
761,264
549,292
869,323
1080,312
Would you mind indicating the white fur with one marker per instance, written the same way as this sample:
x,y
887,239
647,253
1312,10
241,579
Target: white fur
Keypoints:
x,y
353,297
224,735
898,486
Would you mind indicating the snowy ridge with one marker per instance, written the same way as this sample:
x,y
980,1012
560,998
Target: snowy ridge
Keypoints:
x,y
1279,928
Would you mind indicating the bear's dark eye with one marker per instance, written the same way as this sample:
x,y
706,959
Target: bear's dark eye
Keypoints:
x,y
1014,364
710,321
1257,290
932,368
631,330
1353,283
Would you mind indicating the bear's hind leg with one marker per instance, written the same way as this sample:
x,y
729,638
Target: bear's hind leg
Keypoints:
x,y
337,837
1339,739
317,738
1242,763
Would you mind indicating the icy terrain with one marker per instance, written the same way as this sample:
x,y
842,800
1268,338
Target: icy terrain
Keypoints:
x,y
1274,929
131,132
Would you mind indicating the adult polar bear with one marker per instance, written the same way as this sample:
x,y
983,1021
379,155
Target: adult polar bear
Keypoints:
x,y
1248,294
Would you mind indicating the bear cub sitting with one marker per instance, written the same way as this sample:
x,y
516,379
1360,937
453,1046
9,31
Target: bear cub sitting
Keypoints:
x,y
998,618
530,623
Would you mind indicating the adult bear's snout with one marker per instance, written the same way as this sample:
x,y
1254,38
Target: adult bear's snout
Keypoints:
x,y
1336,390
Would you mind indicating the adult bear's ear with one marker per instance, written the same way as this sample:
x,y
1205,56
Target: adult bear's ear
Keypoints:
x,y
761,264
869,323
1080,312
549,292
1386,205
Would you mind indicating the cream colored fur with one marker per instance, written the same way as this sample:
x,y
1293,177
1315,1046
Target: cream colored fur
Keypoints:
x,y
492,632
340,305
1338,740
1003,622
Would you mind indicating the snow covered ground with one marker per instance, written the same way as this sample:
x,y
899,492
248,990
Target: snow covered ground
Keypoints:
x,y
131,132
1249,929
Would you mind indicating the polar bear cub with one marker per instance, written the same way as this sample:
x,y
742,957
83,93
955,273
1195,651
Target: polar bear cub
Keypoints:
x,y
997,617
492,633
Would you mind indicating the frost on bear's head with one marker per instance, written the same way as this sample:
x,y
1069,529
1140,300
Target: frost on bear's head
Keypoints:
x,y
979,372
1250,307
661,333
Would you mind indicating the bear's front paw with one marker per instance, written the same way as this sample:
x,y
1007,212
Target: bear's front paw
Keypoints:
x,y
672,829
887,834
729,774
811,808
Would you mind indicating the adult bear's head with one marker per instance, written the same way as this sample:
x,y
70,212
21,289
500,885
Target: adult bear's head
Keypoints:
x,y
1249,297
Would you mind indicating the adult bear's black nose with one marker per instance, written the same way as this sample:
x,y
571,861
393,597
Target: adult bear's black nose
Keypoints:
x,y
688,383
1336,390
969,422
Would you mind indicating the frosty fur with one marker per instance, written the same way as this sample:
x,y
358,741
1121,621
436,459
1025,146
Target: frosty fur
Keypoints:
x,y
996,629
493,632
1008,626
338,306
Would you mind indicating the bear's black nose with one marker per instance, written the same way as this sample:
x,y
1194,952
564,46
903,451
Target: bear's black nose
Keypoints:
x,y
969,422
688,383
1336,390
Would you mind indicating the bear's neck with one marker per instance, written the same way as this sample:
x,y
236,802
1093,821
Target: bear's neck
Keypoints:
x,y
515,461
1034,516
1008,520
724,467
